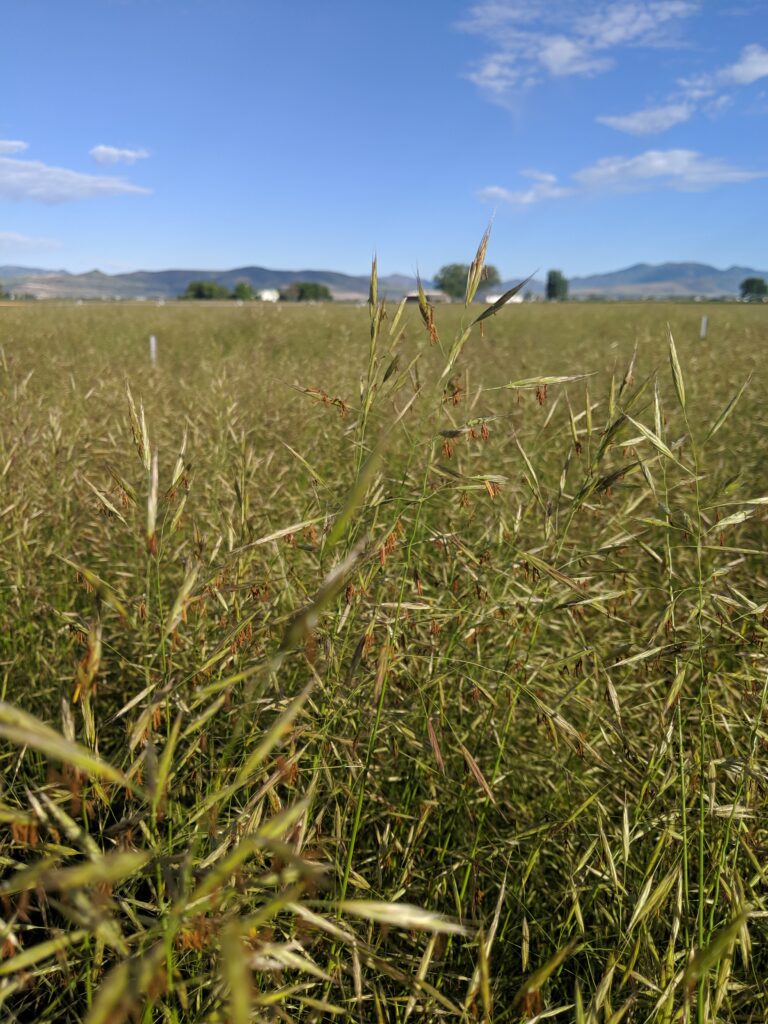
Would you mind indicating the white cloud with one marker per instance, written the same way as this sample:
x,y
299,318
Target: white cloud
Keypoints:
x,y
719,105
496,74
10,241
751,66
617,24
12,146
682,170
539,175
113,155
563,56
554,37
542,189
651,120
31,179
699,91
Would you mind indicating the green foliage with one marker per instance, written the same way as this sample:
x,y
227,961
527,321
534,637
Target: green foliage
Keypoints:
x,y
306,291
557,286
205,290
452,278
244,292
436,697
754,288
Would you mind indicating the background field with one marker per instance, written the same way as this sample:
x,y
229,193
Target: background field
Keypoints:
x,y
532,701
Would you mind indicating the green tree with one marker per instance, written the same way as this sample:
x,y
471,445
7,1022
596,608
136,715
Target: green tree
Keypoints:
x,y
754,288
557,286
205,290
452,279
243,291
306,291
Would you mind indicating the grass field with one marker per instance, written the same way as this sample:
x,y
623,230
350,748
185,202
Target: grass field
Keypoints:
x,y
345,686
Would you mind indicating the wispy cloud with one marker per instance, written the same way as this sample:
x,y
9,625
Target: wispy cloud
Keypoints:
x,y
562,56
543,176
12,146
538,39
650,121
712,91
10,241
618,24
541,189
114,155
34,180
683,170
751,66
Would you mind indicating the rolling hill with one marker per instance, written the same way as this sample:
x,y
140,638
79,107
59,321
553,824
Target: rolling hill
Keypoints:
x,y
643,280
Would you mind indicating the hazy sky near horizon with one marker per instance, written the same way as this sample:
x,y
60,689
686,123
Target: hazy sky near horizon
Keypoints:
x,y
295,134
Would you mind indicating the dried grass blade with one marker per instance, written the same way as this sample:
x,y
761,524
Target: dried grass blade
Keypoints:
x,y
435,746
23,729
479,777
106,502
475,272
104,591
721,944
41,951
727,410
677,373
403,916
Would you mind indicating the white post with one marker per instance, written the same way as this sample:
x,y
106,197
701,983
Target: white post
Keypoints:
x,y
153,349
703,331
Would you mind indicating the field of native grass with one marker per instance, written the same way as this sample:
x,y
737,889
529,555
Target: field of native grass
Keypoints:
x,y
363,665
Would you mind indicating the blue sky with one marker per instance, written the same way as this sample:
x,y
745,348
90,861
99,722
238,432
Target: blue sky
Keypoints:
x,y
303,134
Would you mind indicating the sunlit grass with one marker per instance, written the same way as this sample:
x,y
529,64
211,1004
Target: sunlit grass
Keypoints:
x,y
364,664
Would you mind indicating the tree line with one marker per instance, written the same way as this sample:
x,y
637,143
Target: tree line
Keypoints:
x,y
452,279
298,291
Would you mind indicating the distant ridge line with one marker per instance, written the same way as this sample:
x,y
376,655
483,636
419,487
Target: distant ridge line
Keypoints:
x,y
641,280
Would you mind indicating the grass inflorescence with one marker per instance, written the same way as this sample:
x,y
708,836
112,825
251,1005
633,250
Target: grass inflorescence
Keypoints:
x,y
383,664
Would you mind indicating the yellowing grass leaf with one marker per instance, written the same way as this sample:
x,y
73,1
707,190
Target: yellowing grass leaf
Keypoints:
x,y
550,570
475,769
732,520
403,916
534,982
237,975
651,899
105,502
435,746
538,382
721,944
274,734
726,411
23,729
677,373
110,869
105,592
475,272
655,440
41,951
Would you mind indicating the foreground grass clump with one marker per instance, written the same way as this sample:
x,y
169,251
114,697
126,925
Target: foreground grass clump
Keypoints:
x,y
353,670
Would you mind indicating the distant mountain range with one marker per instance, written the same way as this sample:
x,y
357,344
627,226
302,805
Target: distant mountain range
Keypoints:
x,y
644,280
